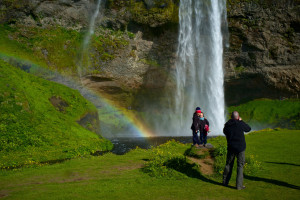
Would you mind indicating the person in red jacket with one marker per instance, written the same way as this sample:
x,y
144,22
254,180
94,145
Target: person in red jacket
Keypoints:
x,y
236,145
195,126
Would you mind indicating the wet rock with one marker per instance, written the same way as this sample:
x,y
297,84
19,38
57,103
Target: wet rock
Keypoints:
x,y
91,122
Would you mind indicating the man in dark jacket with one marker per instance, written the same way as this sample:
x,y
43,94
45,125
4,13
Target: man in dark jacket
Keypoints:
x,y
195,126
203,132
236,145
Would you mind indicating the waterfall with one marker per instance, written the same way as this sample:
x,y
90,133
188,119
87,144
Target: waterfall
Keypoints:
x,y
84,49
199,66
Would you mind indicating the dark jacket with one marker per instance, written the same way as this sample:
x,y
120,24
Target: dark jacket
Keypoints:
x,y
234,131
202,125
196,123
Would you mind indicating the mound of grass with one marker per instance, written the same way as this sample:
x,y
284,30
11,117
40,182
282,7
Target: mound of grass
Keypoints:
x,y
38,121
263,113
165,159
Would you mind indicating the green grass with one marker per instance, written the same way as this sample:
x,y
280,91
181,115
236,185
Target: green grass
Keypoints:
x,y
264,113
32,129
121,177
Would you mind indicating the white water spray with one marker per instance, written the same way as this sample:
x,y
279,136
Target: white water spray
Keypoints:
x,y
87,38
199,68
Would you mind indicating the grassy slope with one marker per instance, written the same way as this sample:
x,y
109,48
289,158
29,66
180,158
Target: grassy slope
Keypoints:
x,y
32,129
61,49
58,48
263,113
115,177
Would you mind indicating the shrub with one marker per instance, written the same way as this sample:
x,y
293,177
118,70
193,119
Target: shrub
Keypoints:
x,y
251,167
166,161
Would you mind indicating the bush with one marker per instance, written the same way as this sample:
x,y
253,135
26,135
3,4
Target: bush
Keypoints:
x,y
251,167
219,154
166,161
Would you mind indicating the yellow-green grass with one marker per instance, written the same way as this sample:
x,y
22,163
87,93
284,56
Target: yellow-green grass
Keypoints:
x,y
32,129
121,177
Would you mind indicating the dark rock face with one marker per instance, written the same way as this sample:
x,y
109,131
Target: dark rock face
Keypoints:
x,y
262,57
68,13
264,49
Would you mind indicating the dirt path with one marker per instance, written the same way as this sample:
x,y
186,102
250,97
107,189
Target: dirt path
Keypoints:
x,y
206,163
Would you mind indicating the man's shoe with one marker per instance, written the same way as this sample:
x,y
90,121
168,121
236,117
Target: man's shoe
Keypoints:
x,y
243,187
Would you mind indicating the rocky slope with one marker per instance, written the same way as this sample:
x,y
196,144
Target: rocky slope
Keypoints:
x,y
262,58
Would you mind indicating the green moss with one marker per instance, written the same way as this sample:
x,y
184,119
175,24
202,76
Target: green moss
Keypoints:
x,y
239,69
130,35
158,14
164,11
151,62
32,129
55,47
60,49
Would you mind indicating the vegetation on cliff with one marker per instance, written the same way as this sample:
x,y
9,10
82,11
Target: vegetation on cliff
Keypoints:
x,y
151,13
38,121
58,48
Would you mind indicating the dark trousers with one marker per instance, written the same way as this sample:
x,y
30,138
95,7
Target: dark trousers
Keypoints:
x,y
195,138
203,138
229,165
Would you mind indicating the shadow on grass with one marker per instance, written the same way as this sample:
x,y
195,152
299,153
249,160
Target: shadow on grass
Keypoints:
x,y
191,170
272,181
283,163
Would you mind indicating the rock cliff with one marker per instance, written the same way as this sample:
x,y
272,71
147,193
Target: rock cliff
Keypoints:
x,y
262,59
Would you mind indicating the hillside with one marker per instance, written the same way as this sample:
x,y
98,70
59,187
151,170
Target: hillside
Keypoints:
x,y
39,121
267,113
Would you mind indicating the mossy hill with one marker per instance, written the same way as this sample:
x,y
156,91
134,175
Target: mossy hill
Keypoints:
x,y
262,113
38,121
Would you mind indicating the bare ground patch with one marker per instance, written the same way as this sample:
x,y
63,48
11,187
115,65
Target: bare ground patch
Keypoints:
x,y
4,193
206,163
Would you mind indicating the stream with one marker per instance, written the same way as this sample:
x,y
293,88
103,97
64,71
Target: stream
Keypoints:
x,y
124,144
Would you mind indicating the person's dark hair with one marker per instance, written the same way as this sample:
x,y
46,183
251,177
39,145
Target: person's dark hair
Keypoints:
x,y
235,115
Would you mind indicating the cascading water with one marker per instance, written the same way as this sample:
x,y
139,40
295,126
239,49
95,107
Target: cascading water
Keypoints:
x,y
83,62
199,68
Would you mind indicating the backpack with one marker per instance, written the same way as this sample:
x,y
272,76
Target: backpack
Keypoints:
x,y
206,128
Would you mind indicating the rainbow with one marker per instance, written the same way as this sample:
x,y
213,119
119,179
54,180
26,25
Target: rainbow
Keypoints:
x,y
138,128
